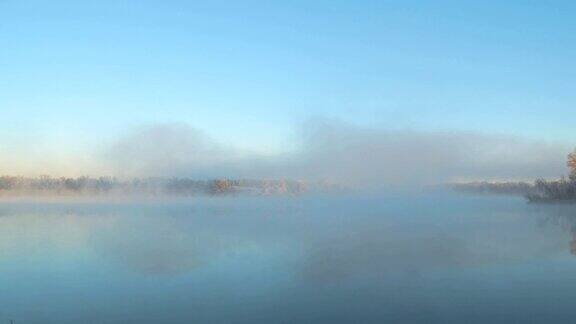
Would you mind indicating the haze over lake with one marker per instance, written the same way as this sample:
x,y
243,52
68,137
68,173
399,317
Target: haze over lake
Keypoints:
x,y
426,258
262,162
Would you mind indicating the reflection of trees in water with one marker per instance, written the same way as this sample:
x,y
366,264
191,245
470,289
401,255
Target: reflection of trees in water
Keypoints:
x,y
562,216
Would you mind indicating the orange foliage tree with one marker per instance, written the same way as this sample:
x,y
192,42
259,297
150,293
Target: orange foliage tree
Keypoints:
x,y
572,165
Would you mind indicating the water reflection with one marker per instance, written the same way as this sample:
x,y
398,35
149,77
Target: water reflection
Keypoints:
x,y
435,241
564,217
339,260
374,252
159,246
145,241
27,234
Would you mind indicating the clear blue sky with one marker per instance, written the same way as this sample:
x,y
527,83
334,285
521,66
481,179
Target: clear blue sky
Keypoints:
x,y
248,71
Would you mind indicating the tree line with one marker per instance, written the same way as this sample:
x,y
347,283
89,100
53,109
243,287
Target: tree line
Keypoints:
x,y
17,185
542,190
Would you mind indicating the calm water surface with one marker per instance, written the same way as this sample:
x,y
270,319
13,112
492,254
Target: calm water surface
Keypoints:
x,y
408,259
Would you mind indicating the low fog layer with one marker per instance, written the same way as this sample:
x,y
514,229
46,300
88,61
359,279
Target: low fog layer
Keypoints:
x,y
340,153
323,150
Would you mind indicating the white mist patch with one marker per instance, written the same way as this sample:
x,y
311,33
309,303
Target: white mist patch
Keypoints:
x,y
362,156
341,153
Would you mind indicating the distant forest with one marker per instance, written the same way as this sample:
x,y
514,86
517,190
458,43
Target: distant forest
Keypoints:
x,y
500,188
46,185
562,190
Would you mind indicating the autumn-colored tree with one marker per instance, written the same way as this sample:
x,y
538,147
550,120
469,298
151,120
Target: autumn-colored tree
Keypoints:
x,y
221,186
572,165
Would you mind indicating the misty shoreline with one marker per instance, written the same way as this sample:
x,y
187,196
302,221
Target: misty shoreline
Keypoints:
x,y
540,191
47,187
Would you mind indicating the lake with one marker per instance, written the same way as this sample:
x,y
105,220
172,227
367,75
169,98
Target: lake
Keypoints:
x,y
425,258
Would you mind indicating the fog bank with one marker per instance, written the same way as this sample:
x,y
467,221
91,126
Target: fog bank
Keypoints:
x,y
341,153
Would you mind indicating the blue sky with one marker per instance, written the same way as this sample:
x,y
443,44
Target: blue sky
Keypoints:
x,y
75,73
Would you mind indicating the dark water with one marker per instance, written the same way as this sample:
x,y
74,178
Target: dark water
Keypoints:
x,y
418,259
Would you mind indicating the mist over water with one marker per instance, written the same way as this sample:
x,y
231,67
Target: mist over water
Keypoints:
x,y
247,162
408,258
